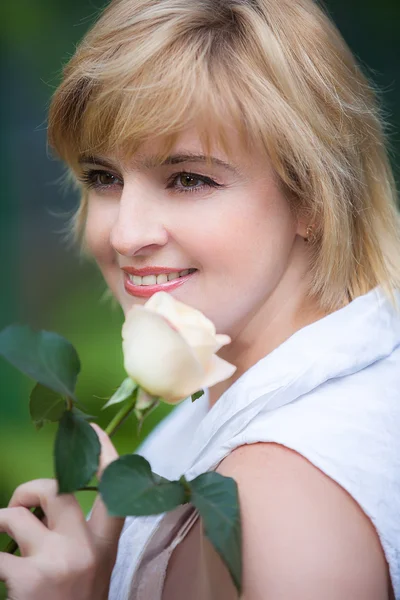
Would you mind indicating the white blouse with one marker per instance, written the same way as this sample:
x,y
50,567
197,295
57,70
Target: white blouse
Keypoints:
x,y
331,392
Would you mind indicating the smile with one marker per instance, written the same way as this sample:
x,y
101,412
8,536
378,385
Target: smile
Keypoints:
x,y
146,286
158,279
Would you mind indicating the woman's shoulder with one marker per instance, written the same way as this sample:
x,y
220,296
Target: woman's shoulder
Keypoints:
x,y
348,428
296,520
319,477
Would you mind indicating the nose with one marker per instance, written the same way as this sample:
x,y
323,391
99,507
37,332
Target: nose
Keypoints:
x,y
138,228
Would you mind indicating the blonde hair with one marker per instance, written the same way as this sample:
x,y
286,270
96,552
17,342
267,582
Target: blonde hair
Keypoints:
x,y
281,74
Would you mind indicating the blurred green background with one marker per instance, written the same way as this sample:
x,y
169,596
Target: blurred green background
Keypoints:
x,y
43,281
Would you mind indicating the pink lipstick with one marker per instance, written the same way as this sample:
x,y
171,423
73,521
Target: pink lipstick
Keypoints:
x,y
145,291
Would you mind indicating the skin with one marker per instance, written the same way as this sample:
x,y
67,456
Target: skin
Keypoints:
x,y
304,536
253,272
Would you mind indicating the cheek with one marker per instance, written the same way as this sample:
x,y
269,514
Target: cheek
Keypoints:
x,y
244,237
100,218
243,245
97,231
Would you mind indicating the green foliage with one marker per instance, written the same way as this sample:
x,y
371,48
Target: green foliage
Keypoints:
x,y
144,406
129,487
76,453
125,391
45,406
197,395
217,500
82,414
43,355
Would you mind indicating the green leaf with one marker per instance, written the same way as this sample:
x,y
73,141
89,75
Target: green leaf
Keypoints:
x,y
43,355
217,500
125,391
197,395
76,453
83,414
45,405
129,488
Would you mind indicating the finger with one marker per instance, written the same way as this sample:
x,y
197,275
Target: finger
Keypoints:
x,y
63,512
20,524
108,452
105,529
10,566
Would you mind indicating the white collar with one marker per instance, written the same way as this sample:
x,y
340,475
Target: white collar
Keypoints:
x,y
344,342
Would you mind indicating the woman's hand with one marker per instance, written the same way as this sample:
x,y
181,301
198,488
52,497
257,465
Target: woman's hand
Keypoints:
x,y
64,557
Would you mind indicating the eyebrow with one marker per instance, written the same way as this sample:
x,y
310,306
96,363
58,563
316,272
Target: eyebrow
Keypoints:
x,y
173,159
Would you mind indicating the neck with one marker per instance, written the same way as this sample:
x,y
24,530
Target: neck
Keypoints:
x,y
285,311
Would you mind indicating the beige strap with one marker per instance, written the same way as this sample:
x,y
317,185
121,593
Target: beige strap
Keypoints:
x,y
179,563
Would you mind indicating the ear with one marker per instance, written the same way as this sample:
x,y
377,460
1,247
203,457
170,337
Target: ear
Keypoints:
x,y
302,225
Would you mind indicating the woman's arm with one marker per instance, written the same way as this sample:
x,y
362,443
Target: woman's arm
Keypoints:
x,y
304,536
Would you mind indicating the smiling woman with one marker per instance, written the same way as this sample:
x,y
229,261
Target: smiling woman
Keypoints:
x,y
197,218
232,153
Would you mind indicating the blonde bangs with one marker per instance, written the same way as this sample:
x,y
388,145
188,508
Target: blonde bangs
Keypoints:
x,y
117,108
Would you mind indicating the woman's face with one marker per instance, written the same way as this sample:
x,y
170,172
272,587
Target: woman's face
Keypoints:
x,y
230,222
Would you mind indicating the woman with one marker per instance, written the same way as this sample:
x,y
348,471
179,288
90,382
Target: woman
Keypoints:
x,y
236,144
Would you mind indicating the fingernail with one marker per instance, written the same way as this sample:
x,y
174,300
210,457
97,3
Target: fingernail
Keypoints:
x,y
97,428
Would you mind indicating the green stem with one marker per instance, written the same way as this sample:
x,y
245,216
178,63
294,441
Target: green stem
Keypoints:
x,y
123,414
188,492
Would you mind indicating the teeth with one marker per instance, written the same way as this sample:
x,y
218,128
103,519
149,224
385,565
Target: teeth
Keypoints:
x,y
163,278
159,279
149,280
172,276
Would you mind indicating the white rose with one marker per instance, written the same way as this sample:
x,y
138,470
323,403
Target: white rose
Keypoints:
x,y
169,349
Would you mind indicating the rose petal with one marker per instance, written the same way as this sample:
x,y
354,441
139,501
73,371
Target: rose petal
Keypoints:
x,y
202,343
158,358
222,340
178,313
219,370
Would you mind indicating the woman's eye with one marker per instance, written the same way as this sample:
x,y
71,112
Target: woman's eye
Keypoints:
x,y
187,180
99,179
190,182
106,178
180,182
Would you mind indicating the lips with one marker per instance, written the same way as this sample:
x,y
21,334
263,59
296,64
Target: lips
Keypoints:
x,y
145,291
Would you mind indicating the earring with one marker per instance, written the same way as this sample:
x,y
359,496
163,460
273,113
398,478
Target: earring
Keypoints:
x,y
310,234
